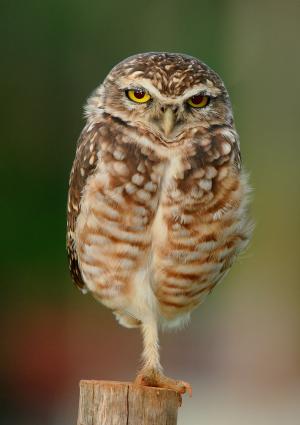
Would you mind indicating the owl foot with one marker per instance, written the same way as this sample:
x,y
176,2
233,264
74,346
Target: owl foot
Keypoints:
x,y
153,378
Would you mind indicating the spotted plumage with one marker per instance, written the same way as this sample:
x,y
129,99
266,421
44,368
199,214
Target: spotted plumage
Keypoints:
x,y
157,209
83,166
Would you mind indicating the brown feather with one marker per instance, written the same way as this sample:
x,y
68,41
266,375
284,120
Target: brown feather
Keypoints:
x,y
83,167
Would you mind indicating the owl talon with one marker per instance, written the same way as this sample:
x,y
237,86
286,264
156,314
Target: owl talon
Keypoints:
x,y
156,379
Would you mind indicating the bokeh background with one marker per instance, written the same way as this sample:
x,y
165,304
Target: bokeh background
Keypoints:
x,y
241,352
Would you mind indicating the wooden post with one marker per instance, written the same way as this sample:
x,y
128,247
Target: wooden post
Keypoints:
x,y
123,403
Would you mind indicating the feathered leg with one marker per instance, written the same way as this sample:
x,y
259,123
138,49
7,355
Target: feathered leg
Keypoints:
x,y
151,373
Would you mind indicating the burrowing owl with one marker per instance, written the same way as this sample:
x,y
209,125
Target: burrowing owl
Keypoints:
x,y
157,209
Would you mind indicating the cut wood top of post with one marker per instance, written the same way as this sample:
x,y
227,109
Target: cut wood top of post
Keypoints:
x,y
125,403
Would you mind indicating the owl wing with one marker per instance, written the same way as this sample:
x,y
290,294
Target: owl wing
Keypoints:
x,y
83,167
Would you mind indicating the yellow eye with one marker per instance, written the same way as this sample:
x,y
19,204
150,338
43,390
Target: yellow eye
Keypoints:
x,y
138,95
198,101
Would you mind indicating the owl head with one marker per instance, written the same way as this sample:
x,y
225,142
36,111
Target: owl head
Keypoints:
x,y
166,94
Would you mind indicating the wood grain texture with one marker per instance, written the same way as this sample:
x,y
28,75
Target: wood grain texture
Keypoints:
x,y
123,403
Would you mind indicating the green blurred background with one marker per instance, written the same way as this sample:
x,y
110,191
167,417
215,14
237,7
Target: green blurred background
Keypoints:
x,y
241,352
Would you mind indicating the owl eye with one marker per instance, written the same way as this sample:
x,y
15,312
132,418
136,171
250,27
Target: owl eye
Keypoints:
x,y
198,101
138,95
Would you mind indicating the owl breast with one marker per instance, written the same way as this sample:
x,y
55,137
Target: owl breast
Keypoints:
x,y
158,230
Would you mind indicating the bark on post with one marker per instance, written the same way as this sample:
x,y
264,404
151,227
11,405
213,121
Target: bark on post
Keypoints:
x,y
123,403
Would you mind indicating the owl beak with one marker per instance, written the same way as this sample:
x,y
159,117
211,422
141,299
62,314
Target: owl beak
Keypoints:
x,y
168,121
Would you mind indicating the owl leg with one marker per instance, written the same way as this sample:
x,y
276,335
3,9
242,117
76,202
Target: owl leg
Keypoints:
x,y
151,374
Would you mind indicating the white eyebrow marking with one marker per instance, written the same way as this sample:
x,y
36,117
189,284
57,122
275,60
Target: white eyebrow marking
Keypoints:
x,y
201,88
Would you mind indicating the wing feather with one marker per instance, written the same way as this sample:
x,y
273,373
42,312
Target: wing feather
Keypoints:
x,y
83,167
